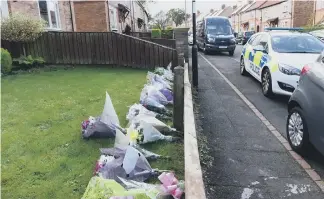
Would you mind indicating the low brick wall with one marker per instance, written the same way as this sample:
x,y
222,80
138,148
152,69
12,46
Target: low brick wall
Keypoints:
x,y
194,184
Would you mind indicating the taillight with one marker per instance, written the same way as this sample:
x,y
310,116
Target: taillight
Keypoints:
x,y
305,70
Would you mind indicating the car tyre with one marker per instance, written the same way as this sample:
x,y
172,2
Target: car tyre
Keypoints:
x,y
266,83
205,50
297,131
242,67
231,53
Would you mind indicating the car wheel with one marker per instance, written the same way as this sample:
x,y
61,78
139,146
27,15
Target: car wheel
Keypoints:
x,y
231,53
205,50
242,67
266,83
297,132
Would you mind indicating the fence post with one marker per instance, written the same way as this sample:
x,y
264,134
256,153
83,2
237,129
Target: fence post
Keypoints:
x,y
178,92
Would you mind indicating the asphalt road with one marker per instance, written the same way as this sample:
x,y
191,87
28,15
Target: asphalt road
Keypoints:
x,y
275,110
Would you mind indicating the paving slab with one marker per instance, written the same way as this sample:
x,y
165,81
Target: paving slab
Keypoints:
x,y
248,161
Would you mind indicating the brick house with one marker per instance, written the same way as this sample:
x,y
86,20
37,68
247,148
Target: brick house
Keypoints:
x,y
254,14
235,17
319,12
244,17
287,13
84,16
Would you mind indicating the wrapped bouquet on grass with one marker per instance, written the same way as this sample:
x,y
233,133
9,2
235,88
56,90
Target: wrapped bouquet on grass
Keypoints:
x,y
138,109
158,81
103,125
154,93
156,123
153,105
171,185
126,163
142,132
165,73
99,187
122,141
129,189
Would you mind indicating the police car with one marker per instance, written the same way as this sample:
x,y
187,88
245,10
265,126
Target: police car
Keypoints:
x,y
277,56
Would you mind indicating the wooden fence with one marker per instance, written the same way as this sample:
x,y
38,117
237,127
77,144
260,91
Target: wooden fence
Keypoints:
x,y
96,48
141,34
164,42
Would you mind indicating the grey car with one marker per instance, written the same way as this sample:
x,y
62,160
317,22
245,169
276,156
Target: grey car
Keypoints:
x,y
305,122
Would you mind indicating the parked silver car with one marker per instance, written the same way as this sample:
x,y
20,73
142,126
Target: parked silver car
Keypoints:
x,y
305,122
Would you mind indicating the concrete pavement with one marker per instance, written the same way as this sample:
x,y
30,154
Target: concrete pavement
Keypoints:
x,y
247,161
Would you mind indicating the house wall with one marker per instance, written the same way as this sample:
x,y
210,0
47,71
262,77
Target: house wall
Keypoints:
x,y
319,14
65,15
24,7
128,20
244,17
90,16
139,13
303,13
31,8
282,11
4,9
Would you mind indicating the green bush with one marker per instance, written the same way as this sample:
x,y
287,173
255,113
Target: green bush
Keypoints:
x,y
27,62
6,61
167,34
156,33
312,28
21,28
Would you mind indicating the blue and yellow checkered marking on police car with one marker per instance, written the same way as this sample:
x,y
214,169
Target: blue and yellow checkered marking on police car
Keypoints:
x,y
258,60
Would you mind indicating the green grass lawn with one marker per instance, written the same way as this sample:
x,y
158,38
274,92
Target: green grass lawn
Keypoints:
x,y
43,154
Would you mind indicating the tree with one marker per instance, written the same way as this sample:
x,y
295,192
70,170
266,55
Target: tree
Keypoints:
x,y
178,16
223,6
19,28
160,20
188,16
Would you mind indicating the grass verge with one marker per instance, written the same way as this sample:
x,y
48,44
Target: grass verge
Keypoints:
x,y
43,154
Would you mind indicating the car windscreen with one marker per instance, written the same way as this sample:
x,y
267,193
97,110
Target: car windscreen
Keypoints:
x,y
249,34
219,29
296,44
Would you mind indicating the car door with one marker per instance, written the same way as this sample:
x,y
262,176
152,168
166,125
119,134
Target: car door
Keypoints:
x,y
249,53
260,58
315,88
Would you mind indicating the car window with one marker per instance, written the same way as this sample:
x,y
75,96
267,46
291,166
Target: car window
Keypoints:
x,y
264,41
296,44
251,39
248,34
256,40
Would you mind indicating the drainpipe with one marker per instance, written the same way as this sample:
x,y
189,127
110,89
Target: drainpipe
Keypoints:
x,y
261,23
314,20
255,25
71,16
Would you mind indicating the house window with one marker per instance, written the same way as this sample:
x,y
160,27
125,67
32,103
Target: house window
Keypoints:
x,y
113,18
49,11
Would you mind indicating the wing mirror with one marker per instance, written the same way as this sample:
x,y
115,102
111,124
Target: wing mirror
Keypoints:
x,y
260,48
321,57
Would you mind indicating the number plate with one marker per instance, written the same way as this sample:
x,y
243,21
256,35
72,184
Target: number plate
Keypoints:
x,y
222,46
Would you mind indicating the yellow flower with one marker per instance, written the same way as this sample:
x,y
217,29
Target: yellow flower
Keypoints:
x,y
133,134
